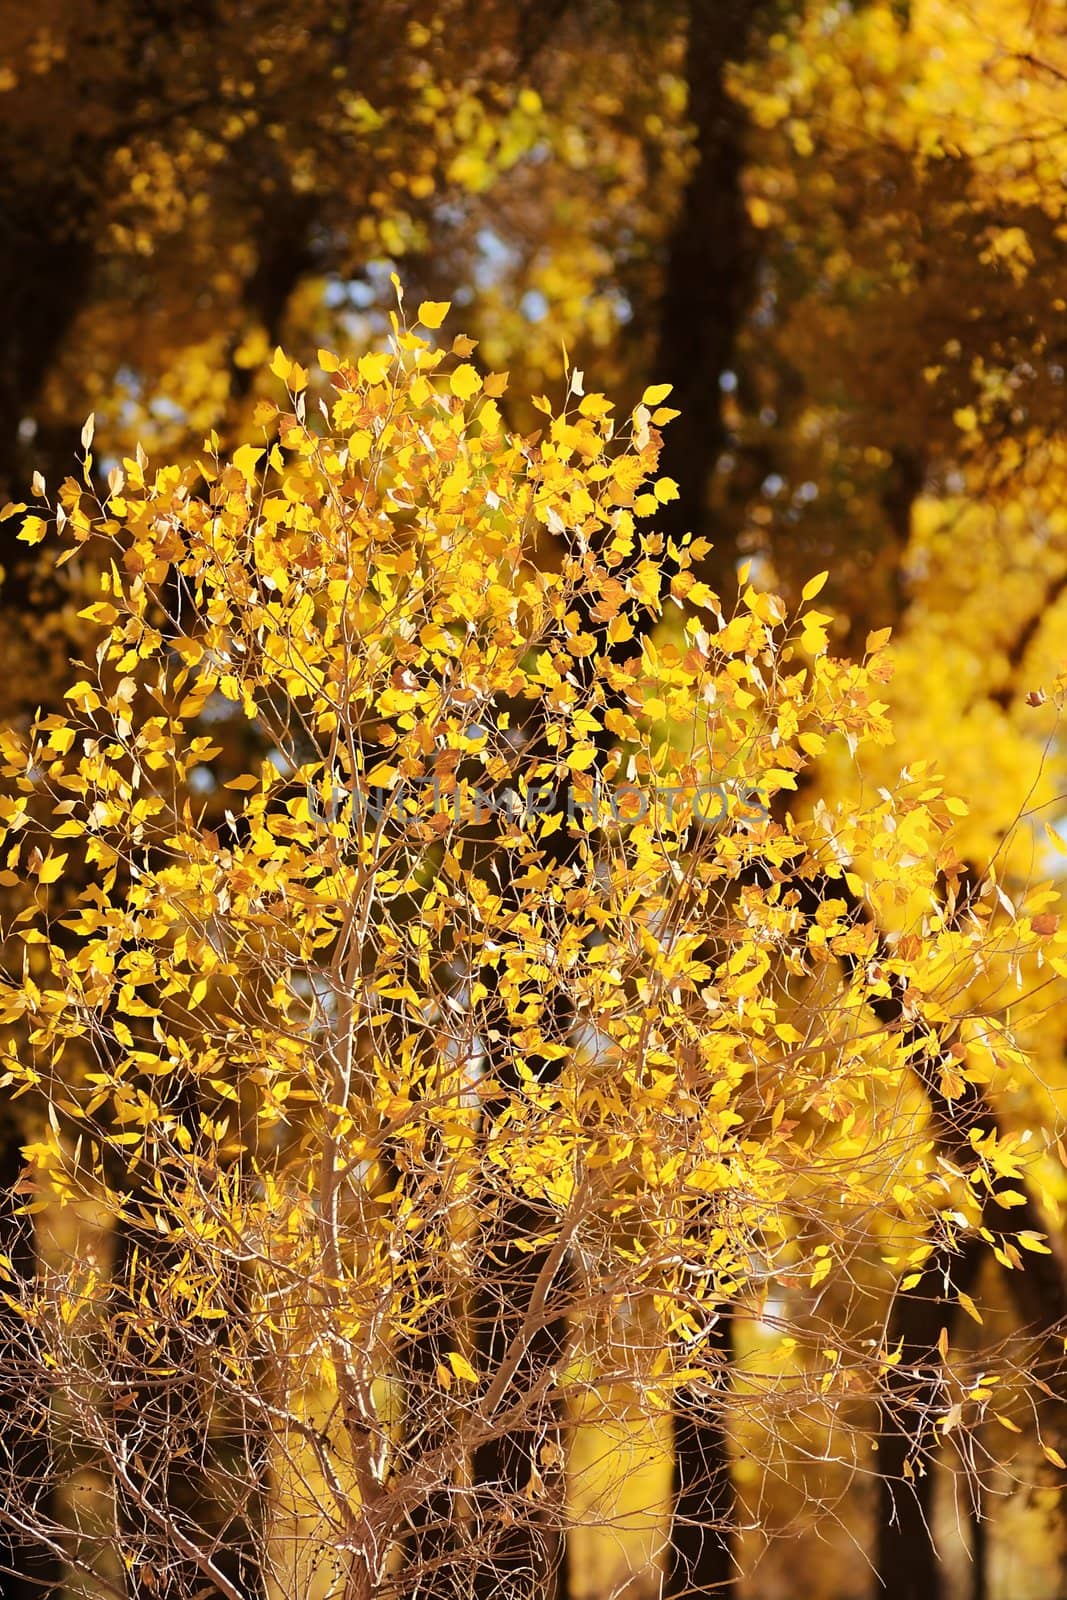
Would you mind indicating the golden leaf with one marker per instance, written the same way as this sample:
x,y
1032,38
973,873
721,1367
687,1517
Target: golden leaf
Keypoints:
x,y
433,312
465,382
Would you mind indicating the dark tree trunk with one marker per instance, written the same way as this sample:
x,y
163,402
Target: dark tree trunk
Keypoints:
x,y
709,271
433,1544
519,1318
45,265
700,1555
979,1547
907,1563
45,268
708,281
504,1533
518,1472
509,1537
907,1559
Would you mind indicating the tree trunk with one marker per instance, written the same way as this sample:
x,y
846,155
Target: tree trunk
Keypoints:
x,y
503,1534
708,281
709,271
700,1555
907,1559
519,1499
979,1547
191,1461
433,1546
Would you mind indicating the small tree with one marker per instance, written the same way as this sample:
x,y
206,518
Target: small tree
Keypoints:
x,y
430,1016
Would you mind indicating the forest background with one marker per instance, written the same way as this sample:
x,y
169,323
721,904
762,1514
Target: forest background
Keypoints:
x,y
837,233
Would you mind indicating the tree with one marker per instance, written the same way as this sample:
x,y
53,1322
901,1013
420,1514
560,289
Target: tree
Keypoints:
x,y
314,1056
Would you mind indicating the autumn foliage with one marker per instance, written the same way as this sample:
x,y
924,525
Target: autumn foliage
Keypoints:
x,y
531,1045
444,1064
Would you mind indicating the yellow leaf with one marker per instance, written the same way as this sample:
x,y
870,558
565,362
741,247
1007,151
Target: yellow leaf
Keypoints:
x,y
813,635
433,312
581,758
464,382
1053,1456
595,405
969,1306
33,530
655,393
462,1367
281,366
328,362
813,586
374,367
102,611
245,458
51,868
646,583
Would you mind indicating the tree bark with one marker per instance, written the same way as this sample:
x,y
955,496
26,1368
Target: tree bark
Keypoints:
x,y
709,271
509,1538
708,282
907,1559
519,1499
700,1558
708,279
190,1464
